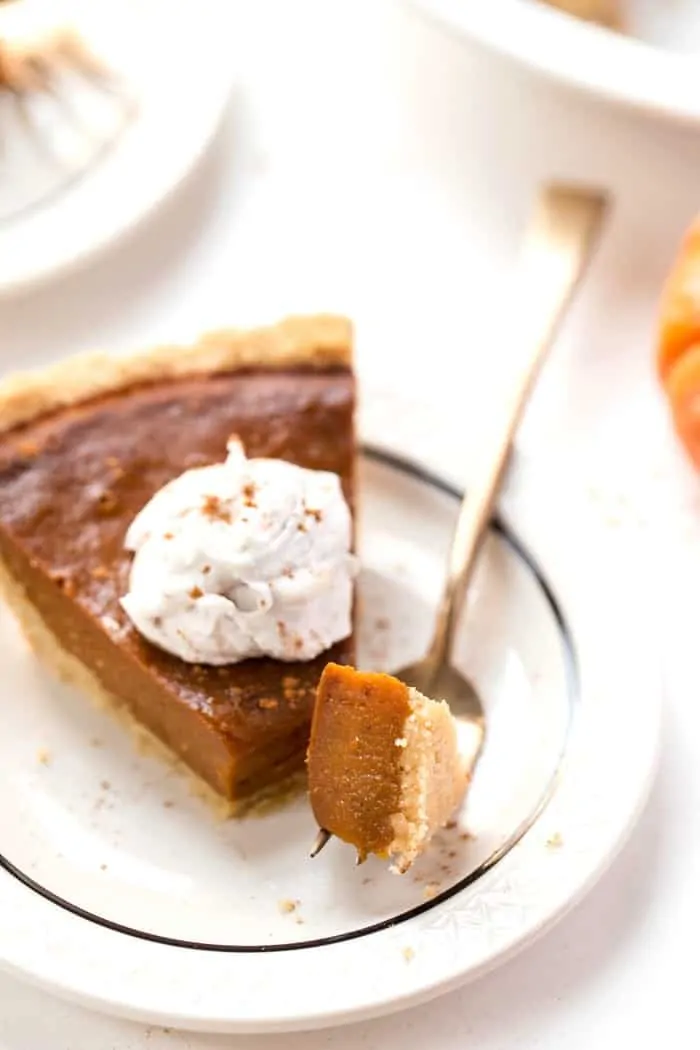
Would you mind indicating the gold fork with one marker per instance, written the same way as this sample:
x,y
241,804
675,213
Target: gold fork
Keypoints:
x,y
557,247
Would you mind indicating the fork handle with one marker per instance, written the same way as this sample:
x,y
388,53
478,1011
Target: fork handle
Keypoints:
x,y
558,244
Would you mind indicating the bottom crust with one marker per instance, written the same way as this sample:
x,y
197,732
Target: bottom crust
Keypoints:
x,y
69,669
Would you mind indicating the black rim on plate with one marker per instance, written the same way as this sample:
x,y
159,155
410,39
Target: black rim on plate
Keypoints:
x,y
498,526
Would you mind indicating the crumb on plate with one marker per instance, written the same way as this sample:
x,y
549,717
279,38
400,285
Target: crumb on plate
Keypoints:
x,y
287,906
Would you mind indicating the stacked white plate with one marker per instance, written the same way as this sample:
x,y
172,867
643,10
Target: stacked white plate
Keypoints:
x,y
652,66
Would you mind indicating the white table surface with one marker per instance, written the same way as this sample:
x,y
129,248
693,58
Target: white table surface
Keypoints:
x,y
372,164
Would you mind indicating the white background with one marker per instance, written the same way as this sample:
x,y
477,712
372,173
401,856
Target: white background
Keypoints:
x,y
369,163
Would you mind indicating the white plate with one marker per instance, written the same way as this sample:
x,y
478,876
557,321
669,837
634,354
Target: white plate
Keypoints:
x,y
654,67
120,891
176,63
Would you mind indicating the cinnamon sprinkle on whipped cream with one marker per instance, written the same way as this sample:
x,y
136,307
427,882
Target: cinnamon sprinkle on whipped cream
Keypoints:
x,y
257,562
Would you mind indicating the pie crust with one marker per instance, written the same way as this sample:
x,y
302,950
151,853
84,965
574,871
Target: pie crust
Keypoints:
x,y
319,342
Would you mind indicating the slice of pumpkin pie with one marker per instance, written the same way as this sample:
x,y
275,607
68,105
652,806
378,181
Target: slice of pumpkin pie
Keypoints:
x,y
175,537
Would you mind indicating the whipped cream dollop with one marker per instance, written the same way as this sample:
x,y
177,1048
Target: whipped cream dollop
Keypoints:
x,y
249,557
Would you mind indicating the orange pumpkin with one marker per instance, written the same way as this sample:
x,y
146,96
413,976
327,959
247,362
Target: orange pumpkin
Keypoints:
x,y
680,304
683,389
678,351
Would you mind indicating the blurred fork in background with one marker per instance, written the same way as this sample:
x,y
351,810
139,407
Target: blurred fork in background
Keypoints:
x,y
62,107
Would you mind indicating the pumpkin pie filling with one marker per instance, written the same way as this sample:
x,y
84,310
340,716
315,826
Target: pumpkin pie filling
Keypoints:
x,y
71,481
385,771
